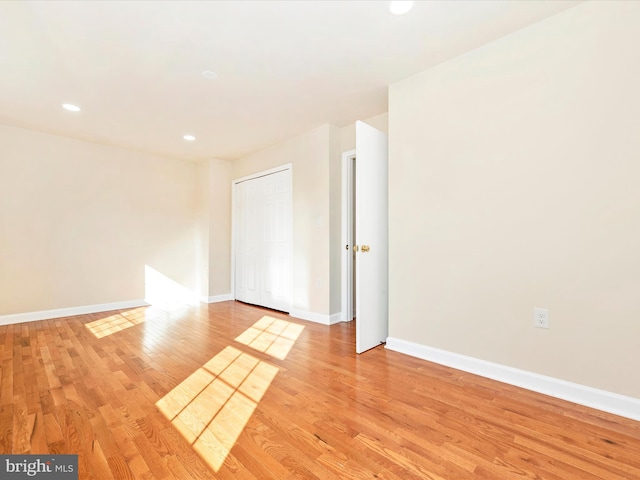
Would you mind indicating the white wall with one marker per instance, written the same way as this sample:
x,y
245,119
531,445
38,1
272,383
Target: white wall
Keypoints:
x,y
79,222
220,228
335,220
214,227
513,183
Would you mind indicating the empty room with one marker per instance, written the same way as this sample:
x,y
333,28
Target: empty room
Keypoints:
x,y
320,240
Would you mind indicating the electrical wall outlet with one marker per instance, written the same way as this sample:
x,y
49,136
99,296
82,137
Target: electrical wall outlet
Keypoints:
x,y
541,317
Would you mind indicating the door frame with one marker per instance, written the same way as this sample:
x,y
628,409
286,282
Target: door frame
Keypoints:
x,y
263,173
348,207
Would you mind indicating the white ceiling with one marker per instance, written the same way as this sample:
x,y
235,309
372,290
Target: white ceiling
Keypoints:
x,y
284,67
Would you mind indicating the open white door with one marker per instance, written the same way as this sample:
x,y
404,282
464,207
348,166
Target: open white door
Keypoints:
x,y
372,238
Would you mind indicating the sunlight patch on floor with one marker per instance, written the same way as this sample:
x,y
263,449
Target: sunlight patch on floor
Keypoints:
x,y
211,407
113,324
272,336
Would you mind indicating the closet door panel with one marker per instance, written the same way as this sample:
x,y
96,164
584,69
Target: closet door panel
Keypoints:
x,y
276,291
253,229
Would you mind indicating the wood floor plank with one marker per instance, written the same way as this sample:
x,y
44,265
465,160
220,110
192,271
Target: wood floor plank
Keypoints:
x,y
6,428
23,425
220,392
38,441
130,453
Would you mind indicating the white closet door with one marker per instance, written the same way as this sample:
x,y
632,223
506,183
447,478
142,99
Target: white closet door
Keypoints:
x,y
253,241
262,220
276,245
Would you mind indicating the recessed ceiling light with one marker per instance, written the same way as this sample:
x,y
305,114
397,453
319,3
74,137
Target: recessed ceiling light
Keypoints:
x,y
400,7
189,138
70,107
209,75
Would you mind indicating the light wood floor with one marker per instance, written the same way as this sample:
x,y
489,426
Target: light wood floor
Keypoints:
x,y
233,391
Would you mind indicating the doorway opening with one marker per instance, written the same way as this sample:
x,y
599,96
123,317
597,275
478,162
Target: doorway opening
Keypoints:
x,y
349,303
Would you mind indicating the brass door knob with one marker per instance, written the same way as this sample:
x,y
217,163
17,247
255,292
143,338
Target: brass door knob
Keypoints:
x,y
365,248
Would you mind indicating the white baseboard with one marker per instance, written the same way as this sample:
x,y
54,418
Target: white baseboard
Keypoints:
x,y
624,406
217,298
316,317
68,312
